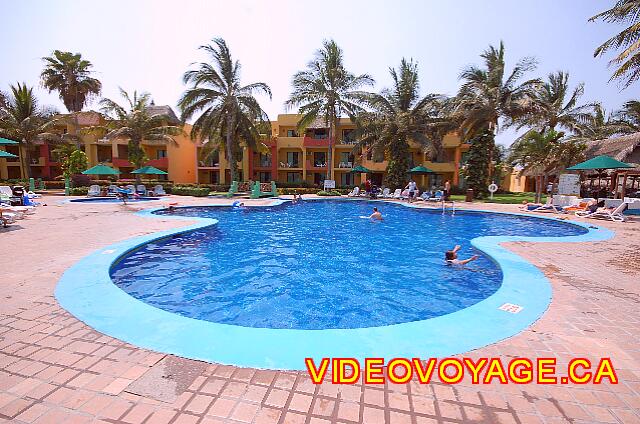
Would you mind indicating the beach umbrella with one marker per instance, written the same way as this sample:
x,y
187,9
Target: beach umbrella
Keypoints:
x,y
7,142
101,170
421,170
4,154
600,163
149,170
360,170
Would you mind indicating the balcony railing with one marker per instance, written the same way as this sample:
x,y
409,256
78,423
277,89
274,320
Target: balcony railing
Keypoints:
x,y
289,165
316,142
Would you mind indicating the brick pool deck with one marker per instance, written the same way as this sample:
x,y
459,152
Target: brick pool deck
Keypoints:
x,y
55,369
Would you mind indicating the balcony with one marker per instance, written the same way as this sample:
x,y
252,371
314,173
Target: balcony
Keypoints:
x,y
316,166
162,163
289,165
263,164
344,165
290,142
37,161
316,142
121,163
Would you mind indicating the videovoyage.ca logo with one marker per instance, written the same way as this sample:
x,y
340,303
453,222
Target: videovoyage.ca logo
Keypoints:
x,y
453,370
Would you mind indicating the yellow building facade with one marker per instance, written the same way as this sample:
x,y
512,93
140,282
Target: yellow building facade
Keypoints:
x,y
287,156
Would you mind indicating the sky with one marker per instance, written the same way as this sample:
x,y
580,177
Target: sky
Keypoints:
x,y
148,45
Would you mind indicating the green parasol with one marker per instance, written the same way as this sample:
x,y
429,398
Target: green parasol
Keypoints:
x,y
360,169
421,170
600,162
149,170
101,170
7,142
4,154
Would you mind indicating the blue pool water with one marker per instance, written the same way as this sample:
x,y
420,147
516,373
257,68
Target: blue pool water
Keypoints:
x,y
112,200
318,265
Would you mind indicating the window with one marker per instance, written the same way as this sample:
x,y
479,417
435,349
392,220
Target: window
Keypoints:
x,y
318,178
162,153
319,134
294,177
213,177
346,179
292,133
264,160
264,177
319,158
347,136
293,159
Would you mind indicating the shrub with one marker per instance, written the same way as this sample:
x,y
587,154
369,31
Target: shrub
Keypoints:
x,y
80,180
190,191
298,190
79,191
329,193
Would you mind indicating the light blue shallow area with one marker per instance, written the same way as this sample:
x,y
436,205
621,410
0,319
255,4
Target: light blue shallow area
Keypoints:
x,y
87,291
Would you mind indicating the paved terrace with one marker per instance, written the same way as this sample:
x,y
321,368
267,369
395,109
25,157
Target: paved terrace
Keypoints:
x,y
55,369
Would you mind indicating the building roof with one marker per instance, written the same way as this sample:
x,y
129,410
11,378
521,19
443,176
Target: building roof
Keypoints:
x,y
619,148
164,110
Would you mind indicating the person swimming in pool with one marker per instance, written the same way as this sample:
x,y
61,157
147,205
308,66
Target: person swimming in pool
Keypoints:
x,y
376,215
451,257
238,205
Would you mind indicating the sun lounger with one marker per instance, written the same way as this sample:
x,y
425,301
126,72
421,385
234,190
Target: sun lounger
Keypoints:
x,y
614,214
355,192
112,190
437,197
386,193
141,190
397,194
158,190
94,190
549,207
131,188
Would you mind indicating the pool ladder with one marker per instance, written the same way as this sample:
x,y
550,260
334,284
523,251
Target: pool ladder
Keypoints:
x,y
453,207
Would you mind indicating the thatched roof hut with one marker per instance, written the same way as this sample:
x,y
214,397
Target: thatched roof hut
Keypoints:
x,y
625,148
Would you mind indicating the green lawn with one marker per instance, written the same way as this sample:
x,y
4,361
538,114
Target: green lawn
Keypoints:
x,y
501,198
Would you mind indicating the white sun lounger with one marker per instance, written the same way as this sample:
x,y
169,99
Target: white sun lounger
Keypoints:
x,y
94,190
158,190
397,194
612,214
386,193
355,192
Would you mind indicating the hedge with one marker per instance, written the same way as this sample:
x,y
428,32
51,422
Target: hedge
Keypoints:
x,y
329,193
79,191
190,191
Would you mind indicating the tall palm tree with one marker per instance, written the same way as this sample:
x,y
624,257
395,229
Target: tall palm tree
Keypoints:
x,y
488,96
399,115
326,90
599,125
70,75
628,60
556,105
628,118
22,120
134,123
229,112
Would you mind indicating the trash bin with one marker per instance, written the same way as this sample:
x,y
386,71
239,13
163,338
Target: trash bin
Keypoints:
x,y
469,197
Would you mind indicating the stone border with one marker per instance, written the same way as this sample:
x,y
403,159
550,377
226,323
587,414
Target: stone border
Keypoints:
x,y
86,291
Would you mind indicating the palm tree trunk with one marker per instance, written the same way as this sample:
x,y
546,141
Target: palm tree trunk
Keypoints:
x,y
26,162
329,154
232,166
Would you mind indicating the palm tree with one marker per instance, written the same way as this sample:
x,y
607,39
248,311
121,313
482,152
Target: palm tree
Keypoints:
x,y
542,153
229,112
628,60
599,125
326,90
555,105
628,118
398,116
485,99
22,120
69,75
134,123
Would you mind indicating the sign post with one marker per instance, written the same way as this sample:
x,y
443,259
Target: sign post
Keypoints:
x,y
329,184
492,189
569,185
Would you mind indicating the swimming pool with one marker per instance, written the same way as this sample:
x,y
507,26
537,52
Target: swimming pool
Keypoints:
x,y
112,199
87,291
319,265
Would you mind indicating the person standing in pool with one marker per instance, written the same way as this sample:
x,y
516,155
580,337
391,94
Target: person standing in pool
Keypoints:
x,y
451,257
376,215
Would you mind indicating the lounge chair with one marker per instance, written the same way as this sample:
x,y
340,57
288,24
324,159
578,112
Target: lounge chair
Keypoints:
x,y
397,194
112,190
131,188
424,196
386,193
141,190
437,197
615,214
355,192
94,190
158,190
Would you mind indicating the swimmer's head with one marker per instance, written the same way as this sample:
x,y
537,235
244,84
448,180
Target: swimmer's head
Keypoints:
x,y
375,209
450,255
